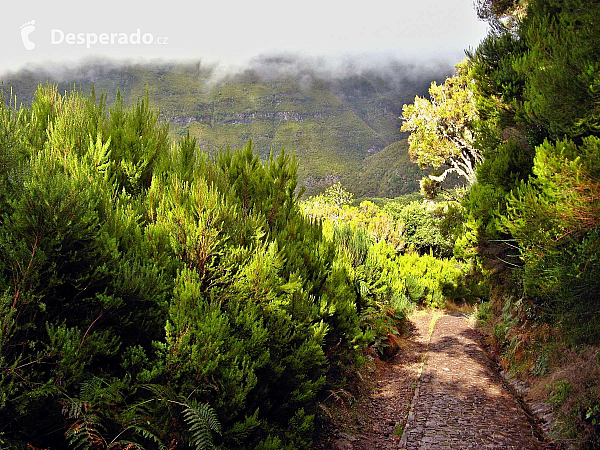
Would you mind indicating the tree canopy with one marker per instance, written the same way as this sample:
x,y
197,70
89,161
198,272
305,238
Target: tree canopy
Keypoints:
x,y
442,129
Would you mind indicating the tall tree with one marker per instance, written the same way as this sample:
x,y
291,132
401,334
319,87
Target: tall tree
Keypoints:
x,y
442,130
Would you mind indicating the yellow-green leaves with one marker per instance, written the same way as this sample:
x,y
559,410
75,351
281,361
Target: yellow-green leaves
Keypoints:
x,y
442,127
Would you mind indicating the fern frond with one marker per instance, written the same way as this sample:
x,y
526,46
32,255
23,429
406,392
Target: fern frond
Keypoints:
x,y
325,409
161,392
125,445
148,435
86,433
90,387
72,408
202,421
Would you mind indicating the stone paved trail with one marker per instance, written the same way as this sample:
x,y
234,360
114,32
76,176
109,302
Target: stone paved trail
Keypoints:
x,y
461,401
440,392
389,404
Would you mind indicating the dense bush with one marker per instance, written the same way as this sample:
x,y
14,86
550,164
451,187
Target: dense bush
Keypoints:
x,y
555,220
531,208
153,297
393,255
532,216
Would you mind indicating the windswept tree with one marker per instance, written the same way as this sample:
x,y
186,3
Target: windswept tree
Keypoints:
x,y
442,130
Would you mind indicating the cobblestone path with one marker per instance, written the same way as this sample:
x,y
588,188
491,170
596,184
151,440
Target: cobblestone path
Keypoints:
x,y
460,401
385,410
439,392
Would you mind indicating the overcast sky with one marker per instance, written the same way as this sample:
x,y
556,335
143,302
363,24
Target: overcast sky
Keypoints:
x,y
234,31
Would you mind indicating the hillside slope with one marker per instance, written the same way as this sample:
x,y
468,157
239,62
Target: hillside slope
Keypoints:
x,y
336,122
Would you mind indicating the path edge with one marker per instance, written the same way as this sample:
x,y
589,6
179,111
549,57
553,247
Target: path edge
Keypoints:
x,y
411,412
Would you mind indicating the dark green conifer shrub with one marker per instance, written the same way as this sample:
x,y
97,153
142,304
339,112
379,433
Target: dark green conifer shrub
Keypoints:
x,y
153,297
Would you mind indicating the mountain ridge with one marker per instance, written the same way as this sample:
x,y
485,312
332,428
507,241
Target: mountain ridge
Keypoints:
x,y
336,121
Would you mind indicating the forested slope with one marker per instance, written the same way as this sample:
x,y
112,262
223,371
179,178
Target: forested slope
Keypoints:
x,y
333,119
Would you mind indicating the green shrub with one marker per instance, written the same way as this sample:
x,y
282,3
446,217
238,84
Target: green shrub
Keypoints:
x,y
190,294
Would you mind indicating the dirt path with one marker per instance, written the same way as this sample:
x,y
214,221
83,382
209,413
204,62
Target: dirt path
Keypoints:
x,y
440,391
